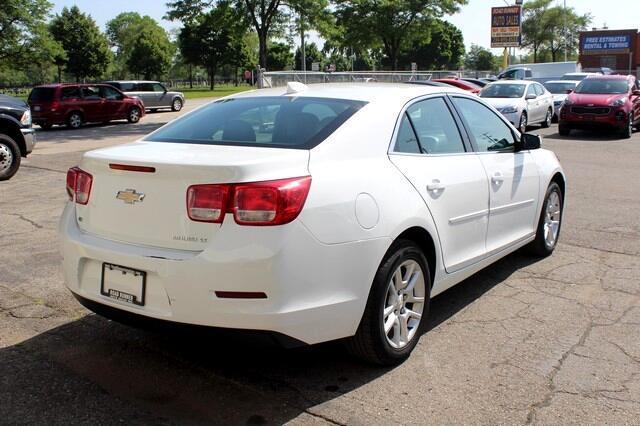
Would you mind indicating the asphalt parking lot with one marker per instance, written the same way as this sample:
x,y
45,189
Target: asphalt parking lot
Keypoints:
x,y
524,342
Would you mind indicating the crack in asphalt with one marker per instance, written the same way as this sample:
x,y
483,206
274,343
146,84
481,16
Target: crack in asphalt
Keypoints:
x,y
28,166
25,219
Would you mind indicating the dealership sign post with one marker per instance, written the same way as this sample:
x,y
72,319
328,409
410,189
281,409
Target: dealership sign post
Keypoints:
x,y
506,29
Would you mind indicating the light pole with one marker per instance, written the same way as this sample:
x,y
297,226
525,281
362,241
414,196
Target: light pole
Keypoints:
x,y
564,28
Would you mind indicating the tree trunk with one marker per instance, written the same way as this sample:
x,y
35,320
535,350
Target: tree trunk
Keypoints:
x,y
190,76
59,74
262,40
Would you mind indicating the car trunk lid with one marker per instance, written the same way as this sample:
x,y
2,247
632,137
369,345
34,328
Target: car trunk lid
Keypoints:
x,y
148,207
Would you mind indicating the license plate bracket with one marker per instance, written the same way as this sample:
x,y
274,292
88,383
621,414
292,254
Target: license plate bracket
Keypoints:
x,y
123,284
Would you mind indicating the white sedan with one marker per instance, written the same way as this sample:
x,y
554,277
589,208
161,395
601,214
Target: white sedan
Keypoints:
x,y
522,102
560,90
310,213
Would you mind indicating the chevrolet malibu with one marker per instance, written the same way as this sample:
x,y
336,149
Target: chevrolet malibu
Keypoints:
x,y
311,213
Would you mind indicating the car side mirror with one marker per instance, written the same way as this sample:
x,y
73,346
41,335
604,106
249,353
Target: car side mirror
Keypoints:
x,y
569,91
529,142
531,97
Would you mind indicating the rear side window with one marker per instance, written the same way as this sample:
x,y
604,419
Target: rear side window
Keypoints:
x,y
435,129
144,87
91,92
42,94
72,92
279,122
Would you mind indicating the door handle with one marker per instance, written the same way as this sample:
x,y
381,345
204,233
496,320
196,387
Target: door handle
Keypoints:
x,y
497,178
435,186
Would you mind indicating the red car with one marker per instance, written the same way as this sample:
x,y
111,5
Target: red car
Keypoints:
x,y
75,104
461,84
602,101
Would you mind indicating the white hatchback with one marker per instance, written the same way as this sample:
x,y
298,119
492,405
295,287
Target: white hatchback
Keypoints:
x,y
311,213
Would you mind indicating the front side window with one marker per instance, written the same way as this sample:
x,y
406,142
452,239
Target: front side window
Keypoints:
x,y
531,90
279,122
157,87
110,93
489,132
539,89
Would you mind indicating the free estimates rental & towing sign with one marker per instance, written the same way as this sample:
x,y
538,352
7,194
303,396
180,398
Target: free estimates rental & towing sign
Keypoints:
x,y
606,44
506,29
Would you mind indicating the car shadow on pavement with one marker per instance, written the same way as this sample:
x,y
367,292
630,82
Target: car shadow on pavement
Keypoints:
x,y
98,131
589,135
95,370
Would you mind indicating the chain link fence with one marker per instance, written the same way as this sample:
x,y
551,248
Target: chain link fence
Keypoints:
x,y
281,78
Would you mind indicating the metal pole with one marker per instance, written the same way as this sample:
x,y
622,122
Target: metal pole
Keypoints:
x,y
564,29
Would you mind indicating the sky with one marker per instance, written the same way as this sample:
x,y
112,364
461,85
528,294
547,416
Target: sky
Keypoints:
x,y
473,19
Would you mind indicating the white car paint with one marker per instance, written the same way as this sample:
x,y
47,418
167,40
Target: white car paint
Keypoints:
x,y
317,270
559,98
513,108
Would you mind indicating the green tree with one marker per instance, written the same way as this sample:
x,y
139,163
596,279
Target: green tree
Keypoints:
x,y
130,32
312,54
265,16
436,45
279,56
388,23
22,29
480,59
86,48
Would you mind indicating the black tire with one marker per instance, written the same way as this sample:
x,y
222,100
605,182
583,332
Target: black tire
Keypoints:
x,y
134,115
524,120
10,157
75,120
176,104
540,247
370,341
547,119
628,130
564,130
46,126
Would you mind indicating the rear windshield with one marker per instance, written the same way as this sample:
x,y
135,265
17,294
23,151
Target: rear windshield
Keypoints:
x,y
279,122
559,88
604,87
503,91
42,94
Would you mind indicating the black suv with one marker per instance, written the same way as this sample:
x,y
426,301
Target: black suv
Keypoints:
x,y
17,138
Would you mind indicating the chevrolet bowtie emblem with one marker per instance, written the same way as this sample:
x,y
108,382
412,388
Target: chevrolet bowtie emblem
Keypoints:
x,y
130,196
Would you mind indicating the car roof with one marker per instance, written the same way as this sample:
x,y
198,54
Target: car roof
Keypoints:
x,y
132,81
513,82
609,77
368,92
562,81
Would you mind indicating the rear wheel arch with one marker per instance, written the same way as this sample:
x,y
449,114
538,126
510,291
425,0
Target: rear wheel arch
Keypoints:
x,y
559,179
423,239
12,130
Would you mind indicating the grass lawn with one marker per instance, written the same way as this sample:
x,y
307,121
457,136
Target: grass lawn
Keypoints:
x,y
220,91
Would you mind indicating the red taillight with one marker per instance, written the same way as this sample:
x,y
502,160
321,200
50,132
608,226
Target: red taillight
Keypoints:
x,y
55,105
207,203
259,203
270,203
79,185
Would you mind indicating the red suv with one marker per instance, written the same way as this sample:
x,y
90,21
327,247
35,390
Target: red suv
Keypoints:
x,y
602,101
75,104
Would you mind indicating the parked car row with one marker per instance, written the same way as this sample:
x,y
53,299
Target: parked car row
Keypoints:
x,y
75,104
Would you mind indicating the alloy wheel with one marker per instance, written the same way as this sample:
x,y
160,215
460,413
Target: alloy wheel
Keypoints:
x,y
552,219
177,105
134,115
75,120
404,304
6,158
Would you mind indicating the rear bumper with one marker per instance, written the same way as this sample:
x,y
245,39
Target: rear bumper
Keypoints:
x,y
315,292
29,136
